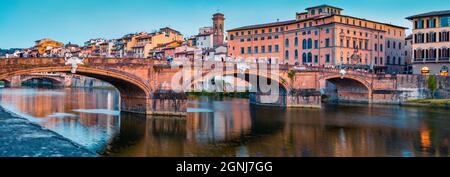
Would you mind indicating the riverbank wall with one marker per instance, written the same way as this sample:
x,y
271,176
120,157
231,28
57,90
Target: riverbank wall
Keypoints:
x,y
23,138
410,87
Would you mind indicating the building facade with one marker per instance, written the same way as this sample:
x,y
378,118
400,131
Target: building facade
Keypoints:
x,y
431,43
321,36
147,42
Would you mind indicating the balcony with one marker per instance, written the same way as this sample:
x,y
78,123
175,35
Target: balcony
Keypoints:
x,y
418,60
447,59
430,60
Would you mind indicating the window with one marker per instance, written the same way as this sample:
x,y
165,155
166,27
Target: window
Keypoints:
x,y
388,59
304,58
263,49
231,37
269,37
376,47
316,59
327,58
431,23
304,45
381,60
242,39
376,60
316,44
256,31
388,45
276,36
393,44
270,30
256,49
342,42
263,31
316,32
296,54
249,50
327,30
366,45
255,39
309,43
249,39
263,38
419,24
309,57
242,50
286,55
286,43
445,21
327,42
270,49
313,12
296,41
277,48
381,47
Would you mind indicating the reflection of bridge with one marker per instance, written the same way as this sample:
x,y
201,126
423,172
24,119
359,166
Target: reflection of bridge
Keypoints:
x,y
147,86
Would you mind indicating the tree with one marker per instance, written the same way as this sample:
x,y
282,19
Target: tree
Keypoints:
x,y
432,85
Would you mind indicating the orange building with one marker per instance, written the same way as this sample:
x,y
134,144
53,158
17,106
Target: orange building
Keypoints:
x,y
321,36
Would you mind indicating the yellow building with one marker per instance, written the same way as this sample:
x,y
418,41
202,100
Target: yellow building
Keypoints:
x,y
45,44
144,43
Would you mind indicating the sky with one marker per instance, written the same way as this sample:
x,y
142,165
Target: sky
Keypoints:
x,y
24,21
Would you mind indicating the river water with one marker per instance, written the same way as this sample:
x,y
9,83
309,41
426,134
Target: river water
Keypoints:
x,y
231,127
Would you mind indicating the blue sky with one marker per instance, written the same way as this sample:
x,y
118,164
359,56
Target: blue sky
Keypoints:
x,y
24,21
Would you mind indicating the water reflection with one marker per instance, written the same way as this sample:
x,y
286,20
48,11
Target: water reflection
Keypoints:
x,y
230,127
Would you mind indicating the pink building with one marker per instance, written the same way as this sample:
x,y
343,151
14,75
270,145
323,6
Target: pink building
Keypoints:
x,y
321,36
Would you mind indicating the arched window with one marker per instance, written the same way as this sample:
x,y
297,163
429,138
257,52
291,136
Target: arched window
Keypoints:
x,y
309,43
286,55
286,43
304,44
388,60
231,37
309,57
296,54
444,54
304,58
296,41
388,45
432,53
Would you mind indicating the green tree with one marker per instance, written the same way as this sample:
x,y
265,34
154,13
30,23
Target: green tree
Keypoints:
x,y
432,85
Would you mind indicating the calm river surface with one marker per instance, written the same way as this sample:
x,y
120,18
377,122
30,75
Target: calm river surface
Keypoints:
x,y
231,127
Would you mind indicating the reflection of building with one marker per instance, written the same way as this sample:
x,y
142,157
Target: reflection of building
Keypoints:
x,y
321,36
431,36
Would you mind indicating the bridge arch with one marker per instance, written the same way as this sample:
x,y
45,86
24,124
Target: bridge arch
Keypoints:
x,y
55,81
134,92
278,96
347,88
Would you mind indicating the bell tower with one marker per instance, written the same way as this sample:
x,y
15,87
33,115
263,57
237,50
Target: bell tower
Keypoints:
x,y
218,29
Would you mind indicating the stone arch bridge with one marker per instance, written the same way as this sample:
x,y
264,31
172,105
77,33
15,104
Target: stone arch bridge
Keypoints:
x,y
155,87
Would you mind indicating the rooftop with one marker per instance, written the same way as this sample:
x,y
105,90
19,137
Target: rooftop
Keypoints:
x,y
265,25
429,14
295,21
324,5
